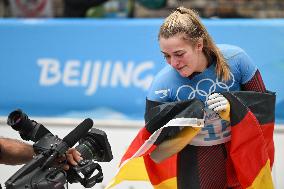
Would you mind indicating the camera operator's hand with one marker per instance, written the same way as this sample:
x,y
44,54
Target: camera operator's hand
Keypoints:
x,y
72,157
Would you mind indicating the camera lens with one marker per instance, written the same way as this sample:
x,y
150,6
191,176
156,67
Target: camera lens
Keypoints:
x,y
20,122
14,118
95,146
89,149
28,129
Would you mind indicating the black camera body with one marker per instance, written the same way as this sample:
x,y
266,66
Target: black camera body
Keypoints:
x,y
38,177
42,172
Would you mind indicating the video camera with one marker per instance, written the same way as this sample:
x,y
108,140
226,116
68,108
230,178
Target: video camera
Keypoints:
x,y
41,172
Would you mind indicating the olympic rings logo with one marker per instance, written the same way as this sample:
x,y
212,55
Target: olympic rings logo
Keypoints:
x,y
200,86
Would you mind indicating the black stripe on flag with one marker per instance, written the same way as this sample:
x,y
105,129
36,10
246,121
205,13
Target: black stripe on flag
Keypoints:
x,y
262,105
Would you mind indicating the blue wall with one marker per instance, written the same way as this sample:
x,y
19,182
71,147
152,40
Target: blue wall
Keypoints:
x,y
104,67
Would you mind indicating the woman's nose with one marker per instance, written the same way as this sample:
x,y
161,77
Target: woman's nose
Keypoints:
x,y
174,62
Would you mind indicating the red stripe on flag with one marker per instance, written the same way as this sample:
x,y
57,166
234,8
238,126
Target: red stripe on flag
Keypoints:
x,y
267,130
138,141
159,172
247,150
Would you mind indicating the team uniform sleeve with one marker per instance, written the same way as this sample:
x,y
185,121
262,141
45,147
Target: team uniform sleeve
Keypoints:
x,y
255,83
159,89
247,67
251,79
159,93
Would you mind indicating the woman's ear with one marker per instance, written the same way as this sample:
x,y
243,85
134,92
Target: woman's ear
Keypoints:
x,y
199,44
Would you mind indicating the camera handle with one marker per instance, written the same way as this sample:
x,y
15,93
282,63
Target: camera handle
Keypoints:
x,y
26,169
86,168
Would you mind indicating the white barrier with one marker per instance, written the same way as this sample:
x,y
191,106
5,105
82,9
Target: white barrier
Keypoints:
x,y
120,134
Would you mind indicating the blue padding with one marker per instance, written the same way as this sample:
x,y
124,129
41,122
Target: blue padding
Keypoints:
x,y
103,68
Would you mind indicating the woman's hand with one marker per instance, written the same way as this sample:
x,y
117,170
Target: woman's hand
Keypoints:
x,y
220,104
217,102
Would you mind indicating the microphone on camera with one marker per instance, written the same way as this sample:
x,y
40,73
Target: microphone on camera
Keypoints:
x,y
79,132
69,140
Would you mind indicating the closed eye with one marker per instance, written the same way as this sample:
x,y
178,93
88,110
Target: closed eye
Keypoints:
x,y
179,55
166,56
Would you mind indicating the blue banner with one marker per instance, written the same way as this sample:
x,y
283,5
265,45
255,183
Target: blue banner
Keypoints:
x,y
104,67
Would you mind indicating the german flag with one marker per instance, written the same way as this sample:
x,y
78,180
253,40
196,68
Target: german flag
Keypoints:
x,y
161,121
152,156
251,150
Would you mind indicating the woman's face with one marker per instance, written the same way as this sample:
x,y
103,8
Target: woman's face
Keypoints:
x,y
181,55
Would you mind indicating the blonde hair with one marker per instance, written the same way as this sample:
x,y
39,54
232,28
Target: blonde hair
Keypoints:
x,y
186,21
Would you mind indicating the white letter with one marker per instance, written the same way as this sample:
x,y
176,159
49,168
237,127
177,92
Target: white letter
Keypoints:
x,y
105,74
95,77
86,73
49,66
146,82
70,71
118,74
